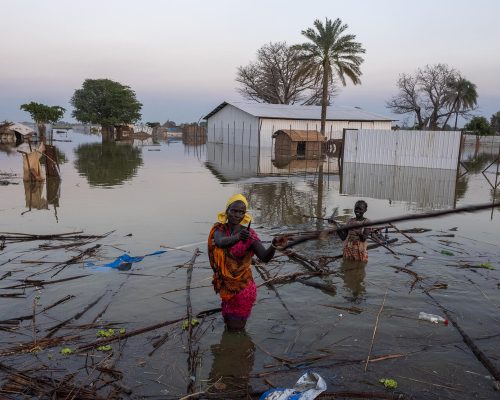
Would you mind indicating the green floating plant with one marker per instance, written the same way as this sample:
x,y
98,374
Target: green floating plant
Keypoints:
x,y
485,265
105,348
66,351
447,253
105,332
389,383
122,331
185,324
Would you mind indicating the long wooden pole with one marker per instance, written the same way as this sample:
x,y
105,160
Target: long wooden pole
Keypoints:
x,y
433,214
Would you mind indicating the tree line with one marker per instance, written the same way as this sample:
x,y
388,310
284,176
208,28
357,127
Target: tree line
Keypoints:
x,y
308,73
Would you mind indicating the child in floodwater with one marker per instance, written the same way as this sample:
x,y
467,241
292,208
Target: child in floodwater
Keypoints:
x,y
355,246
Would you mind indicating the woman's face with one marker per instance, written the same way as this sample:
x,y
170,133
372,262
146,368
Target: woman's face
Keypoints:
x,y
236,212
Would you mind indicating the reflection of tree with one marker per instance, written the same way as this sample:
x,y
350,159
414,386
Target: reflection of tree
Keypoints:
x,y
478,163
107,164
462,186
61,157
281,202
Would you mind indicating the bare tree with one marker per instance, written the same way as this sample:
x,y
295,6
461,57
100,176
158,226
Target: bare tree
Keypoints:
x,y
427,96
275,77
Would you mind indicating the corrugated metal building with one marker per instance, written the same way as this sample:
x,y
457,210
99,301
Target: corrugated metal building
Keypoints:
x,y
253,124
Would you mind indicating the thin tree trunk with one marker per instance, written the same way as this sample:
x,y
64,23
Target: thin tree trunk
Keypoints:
x,y
107,133
451,112
456,118
324,97
41,131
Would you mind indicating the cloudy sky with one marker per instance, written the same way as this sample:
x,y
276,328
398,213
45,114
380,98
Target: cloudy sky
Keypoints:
x,y
180,57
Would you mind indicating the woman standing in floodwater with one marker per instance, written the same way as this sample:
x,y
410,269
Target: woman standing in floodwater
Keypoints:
x,y
355,246
231,246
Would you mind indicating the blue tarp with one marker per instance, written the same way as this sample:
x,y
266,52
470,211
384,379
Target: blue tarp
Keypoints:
x,y
124,259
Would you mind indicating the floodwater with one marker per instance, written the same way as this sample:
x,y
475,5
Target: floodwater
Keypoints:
x,y
163,195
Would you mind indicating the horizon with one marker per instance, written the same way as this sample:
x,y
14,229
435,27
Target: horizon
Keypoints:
x,y
181,58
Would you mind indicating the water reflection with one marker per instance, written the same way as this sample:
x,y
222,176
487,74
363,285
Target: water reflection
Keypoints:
x,y
235,162
107,164
283,202
33,193
353,274
479,162
426,188
233,360
53,186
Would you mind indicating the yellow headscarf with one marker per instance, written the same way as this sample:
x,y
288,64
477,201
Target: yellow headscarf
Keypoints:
x,y
222,216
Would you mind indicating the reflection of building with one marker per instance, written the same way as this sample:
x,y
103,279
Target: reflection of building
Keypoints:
x,y
238,162
426,187
253,124
194,135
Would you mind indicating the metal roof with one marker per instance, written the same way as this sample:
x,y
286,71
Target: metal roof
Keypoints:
x,y
302,136
20,128
286,111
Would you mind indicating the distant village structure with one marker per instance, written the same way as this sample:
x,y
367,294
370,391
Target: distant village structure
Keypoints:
x,y
13,132
253,124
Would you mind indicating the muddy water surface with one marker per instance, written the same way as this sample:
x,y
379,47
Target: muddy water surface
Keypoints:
x,y
157,196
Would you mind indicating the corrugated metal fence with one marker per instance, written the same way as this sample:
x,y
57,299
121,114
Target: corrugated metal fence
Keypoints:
x,y
428,149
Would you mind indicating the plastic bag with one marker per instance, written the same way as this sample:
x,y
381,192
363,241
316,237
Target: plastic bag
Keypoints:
x,y
308,387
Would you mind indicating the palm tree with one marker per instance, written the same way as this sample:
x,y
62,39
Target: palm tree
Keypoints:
x,y
461,96
330,53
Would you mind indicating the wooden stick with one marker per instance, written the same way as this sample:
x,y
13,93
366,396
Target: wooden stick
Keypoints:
x,y
410,238
189,311
127,335
375,329
373,238
267,281
434,214
468,341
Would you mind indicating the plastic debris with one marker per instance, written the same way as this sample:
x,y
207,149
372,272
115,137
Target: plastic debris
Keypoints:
x,y
308,387
124,260
447,253
432,318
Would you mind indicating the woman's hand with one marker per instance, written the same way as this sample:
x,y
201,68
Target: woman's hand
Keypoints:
x,y
280,241
243,235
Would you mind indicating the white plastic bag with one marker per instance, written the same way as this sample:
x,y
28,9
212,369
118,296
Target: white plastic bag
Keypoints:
x,y
308,387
